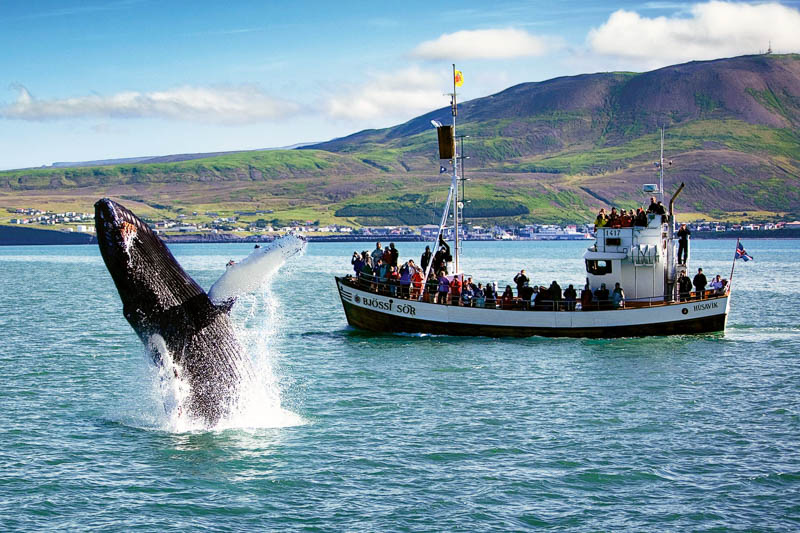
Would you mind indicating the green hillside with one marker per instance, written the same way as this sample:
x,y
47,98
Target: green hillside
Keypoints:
x,y
549,151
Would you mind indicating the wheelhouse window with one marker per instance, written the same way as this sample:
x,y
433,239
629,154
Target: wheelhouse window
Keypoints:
x,y
598,267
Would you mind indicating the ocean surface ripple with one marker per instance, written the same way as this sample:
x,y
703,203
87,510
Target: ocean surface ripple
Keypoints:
x,y
367,432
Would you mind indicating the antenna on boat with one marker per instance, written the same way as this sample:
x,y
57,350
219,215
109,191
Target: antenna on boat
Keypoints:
x,y
660,164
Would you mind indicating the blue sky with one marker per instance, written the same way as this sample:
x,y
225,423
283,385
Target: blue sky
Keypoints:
x,y
122,78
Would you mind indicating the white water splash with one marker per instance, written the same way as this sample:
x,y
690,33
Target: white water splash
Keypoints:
x,y
168,385
256,316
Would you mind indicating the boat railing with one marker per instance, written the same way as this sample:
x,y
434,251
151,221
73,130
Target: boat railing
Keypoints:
x,y
411,290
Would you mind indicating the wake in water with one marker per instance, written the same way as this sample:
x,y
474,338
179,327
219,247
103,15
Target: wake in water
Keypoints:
x,y
255,317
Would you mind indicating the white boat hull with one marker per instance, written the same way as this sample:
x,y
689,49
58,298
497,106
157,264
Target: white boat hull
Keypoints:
x,y
376,312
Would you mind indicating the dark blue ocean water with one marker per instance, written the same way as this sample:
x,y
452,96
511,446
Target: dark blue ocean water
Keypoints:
x,y
364,432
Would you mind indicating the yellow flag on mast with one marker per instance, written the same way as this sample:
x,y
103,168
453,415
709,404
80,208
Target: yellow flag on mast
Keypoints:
x,y
458,78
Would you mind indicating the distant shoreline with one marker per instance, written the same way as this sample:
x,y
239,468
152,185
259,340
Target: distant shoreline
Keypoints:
x,y
20,236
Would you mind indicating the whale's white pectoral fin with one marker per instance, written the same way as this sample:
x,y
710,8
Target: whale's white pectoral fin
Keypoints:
x,y
251,272
218,293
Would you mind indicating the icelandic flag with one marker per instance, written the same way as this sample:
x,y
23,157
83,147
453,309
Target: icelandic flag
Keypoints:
x,y
740,253
442,169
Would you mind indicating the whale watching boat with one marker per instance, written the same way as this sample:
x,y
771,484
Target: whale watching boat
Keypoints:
x,y
642,259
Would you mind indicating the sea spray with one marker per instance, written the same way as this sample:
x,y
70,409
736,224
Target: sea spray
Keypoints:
x,y
259,404
256,317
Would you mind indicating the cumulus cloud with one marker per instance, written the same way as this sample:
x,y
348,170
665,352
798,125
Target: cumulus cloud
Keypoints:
x,y
220,105
411,90
711,30
485,44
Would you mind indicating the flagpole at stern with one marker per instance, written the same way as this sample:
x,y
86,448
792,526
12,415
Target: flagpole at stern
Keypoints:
x,y
730,280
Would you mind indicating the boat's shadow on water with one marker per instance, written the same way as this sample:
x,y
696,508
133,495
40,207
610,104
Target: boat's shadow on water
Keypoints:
x,y
536,345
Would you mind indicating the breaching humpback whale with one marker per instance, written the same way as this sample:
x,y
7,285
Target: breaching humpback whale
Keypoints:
x,y
173,316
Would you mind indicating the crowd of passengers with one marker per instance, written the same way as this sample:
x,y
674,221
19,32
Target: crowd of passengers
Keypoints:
x,y
379,272
629,219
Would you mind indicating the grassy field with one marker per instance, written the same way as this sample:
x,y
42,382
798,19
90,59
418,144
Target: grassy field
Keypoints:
x,y
730,167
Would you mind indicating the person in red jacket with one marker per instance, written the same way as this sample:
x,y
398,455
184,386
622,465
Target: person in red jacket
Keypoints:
x,y
455,291
416,284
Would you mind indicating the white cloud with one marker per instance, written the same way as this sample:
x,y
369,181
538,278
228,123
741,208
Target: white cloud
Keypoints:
x,y
390,94
485,44
218,105
712,30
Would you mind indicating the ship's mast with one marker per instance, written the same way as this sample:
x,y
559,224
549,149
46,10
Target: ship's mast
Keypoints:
x,y
448,149
661,168
454,185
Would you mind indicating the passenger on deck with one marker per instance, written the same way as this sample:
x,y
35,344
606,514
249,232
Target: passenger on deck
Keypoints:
x,y
543,301
443,256
444,288
660,209
382,274
717,284
555,295
601,220
368,274
480,297
612,218
393,255
625,219
416,283
425,260
431,287
387,256
618,297
684,287
507,300
405,280
393,279
653,207
570,297
683,244
699,283
602,297
455,290
357,263
526,293
521,280
586,296
471,284
641,218
467,295
377,253
491,296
